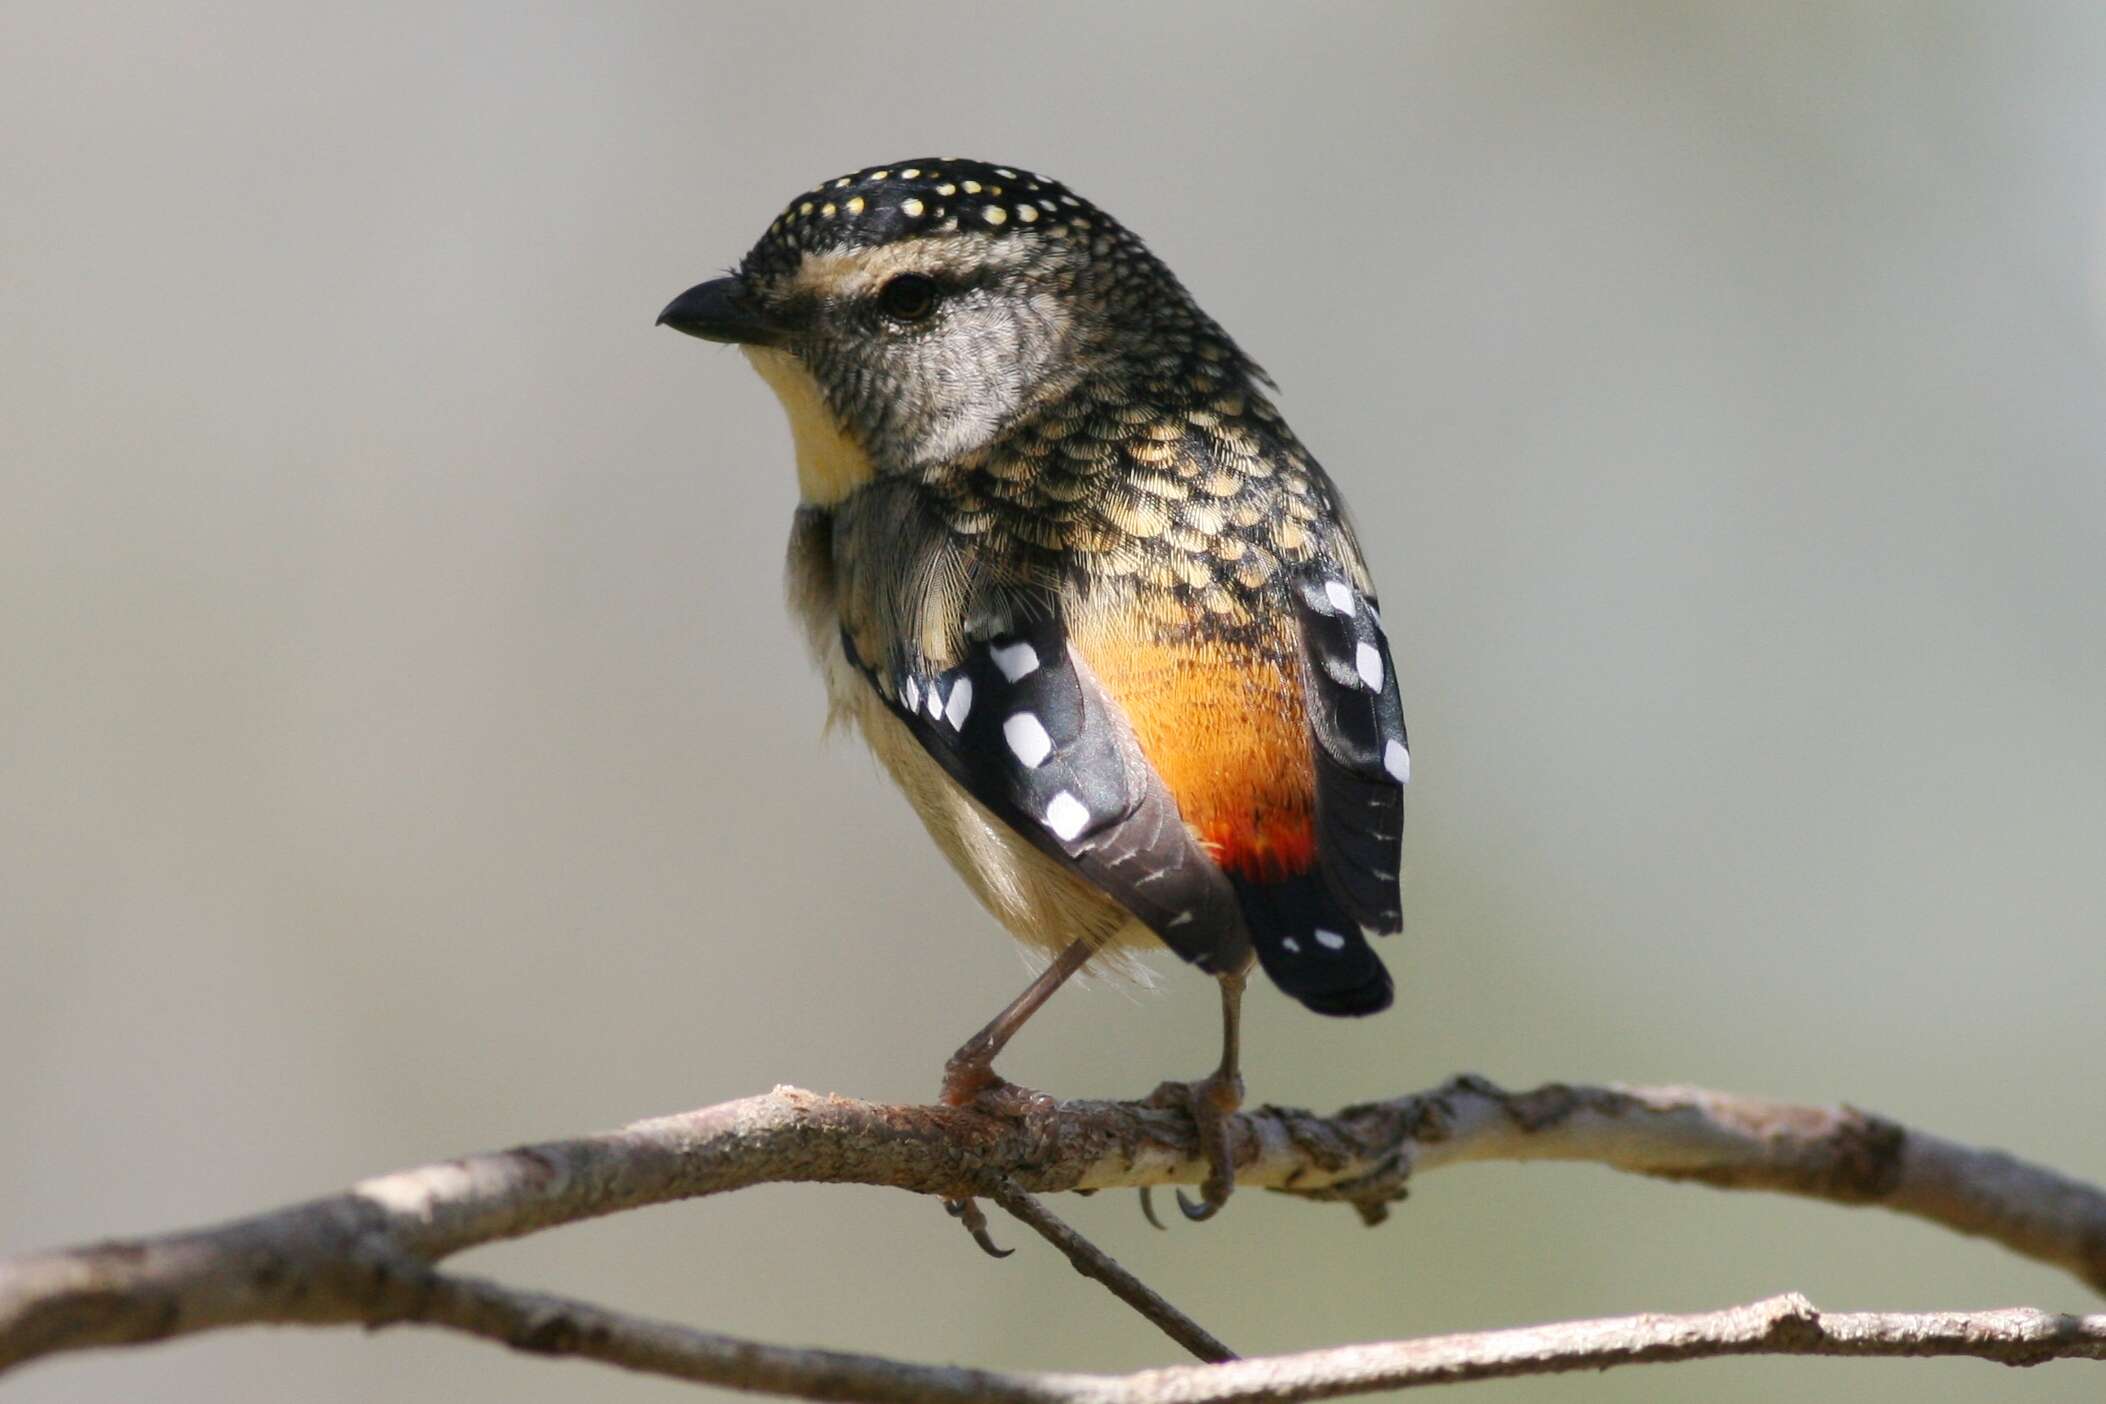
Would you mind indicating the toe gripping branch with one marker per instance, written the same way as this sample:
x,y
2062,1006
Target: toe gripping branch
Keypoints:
x,y
1211,1102
968,1213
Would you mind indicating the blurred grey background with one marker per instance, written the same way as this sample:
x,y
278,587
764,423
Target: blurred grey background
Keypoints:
x,y
403,749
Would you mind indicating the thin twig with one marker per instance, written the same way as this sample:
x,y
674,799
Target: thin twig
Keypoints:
x,y
1787,1325
352,1257
1092,1261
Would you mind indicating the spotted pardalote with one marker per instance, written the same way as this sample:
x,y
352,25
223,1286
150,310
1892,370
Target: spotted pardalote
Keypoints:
x,y
1079,586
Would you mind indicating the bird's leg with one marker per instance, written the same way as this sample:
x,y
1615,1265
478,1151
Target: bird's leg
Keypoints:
x,y
1212,1101
969,1078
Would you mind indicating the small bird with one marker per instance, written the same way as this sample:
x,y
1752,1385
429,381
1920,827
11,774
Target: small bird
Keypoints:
x,y
1083,592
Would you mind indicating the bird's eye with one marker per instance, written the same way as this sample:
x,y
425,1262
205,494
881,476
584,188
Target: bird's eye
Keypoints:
x,y
908,298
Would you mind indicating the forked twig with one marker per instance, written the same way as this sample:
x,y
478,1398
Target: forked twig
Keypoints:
x,y
1092,1261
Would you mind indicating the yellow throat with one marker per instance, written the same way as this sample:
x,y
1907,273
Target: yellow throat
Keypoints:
x,y
830,465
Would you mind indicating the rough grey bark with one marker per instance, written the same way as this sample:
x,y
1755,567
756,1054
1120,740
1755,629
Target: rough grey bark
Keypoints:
x,y
369,1255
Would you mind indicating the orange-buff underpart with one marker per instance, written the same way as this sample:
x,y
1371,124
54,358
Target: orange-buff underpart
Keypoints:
x,y
1224,727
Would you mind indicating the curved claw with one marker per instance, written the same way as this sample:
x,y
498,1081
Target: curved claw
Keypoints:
x,y
1148,1209
1197,1210
975,1222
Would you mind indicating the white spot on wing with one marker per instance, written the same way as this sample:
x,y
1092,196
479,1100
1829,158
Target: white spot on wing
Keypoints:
x,y
1330,940
1065,816
935,701
1367,661
1027,737
1180,919
911,691
1290,945
1017,660
1341,598
1397,761
961,704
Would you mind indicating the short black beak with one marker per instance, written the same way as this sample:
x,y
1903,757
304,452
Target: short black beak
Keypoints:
x,y
721,310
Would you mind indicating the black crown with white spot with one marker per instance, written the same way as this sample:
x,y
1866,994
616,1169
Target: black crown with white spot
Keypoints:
x,y
927,195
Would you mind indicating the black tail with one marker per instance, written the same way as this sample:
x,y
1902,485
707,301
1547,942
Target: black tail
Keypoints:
x,y
1311,948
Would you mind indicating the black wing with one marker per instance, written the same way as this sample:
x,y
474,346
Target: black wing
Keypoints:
x,y
1363,758
1021,724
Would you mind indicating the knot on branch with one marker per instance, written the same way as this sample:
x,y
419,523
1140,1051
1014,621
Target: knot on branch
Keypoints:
x,y
1791,1322
1868,1151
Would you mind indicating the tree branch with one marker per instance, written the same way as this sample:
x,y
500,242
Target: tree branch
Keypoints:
x,y
1787,1325
1093,1262
367,1255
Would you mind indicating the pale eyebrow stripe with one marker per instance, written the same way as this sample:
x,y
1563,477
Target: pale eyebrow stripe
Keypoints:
x,y
853,272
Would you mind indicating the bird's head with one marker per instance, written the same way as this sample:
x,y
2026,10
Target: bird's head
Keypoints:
x,y
907,314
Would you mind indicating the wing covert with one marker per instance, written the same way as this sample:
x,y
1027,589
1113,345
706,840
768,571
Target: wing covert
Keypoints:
x,y
1363,757
1021,724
